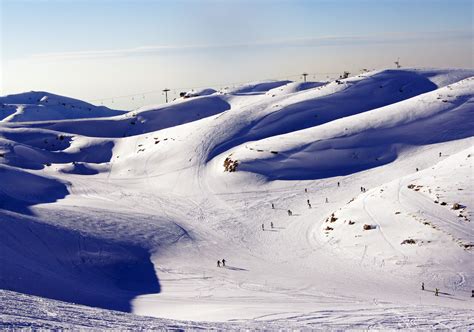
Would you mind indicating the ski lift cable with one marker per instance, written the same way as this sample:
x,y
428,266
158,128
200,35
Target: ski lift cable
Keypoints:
x,y
219,85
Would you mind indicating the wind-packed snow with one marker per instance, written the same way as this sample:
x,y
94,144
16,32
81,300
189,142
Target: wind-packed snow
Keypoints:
x,y
132,211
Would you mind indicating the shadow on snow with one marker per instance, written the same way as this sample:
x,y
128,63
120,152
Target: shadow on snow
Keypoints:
x,y
56,263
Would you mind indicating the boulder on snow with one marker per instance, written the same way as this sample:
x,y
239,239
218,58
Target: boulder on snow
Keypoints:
x,y
230,165
367,227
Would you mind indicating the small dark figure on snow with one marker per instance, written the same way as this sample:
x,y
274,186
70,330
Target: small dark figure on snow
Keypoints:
x,y
422,286
361,189
290,213
218,263
273,206
309,205
440,154
338,184
305,190
271,224
417,169
223,262
436,292
327,201
263,227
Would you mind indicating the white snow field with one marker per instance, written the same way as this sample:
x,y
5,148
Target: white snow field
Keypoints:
x,y
129,213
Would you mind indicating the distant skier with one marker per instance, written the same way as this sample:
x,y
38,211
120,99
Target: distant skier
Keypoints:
x,y
417,169
263,227
440,154
327,201
338,184
436,292
309,205
422,286
271,224
218,263
306,190
273,206
290,213
223,262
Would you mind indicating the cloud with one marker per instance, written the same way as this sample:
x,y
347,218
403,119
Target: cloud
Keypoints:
x,y
321,41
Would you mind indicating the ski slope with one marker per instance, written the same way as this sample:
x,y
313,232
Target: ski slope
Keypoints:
x,y
131,211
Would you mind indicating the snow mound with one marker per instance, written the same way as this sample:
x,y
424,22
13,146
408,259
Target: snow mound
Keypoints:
x,y
366,140
143,120
293,87
43,106
333,101
255,88
201,92
21,189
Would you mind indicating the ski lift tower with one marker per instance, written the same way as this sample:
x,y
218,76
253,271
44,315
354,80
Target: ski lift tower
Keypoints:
x,y
398,63
166,94
304,76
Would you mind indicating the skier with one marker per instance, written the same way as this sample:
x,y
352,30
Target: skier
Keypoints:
x,y
338,184
218,263
273,206
440,154
290,213
422,286
309,205
417,169
361,189
271,224
223,262
436,291
306,190
327,201
263,227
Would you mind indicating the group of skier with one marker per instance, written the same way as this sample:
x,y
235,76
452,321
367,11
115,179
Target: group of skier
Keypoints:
x,y
308,202
219,263
436,293
271,226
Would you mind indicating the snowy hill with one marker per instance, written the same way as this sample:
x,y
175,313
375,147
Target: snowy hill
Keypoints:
x,y
41,106
132,211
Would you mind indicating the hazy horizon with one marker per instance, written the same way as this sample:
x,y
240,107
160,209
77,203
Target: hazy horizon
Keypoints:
x,y
95,50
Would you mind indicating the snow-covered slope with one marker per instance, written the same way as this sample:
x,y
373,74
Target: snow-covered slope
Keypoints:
x,y
133,211
41,106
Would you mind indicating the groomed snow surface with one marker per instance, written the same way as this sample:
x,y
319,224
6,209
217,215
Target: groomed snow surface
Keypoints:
x,y
109,218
